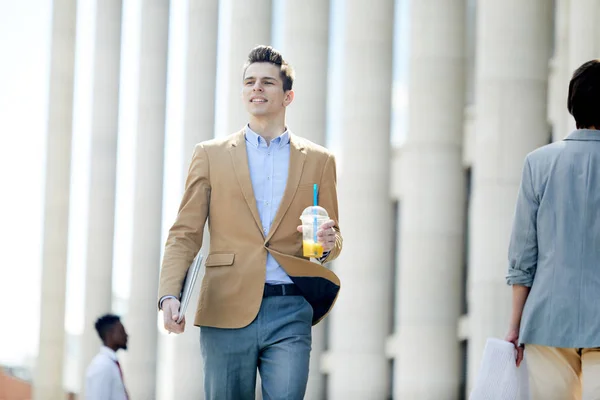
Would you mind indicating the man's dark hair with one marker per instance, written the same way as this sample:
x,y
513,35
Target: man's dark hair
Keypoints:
x,y
270,55
584,95
104,324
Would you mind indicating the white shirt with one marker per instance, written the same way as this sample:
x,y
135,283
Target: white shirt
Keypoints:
x,y
103,379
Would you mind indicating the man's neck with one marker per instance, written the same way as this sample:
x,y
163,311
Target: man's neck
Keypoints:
x,y
112,347
268,129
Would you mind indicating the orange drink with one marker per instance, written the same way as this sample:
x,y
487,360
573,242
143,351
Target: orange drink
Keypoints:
x,y
312,249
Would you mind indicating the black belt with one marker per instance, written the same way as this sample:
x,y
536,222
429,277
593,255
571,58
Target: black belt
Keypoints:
x,y
281,290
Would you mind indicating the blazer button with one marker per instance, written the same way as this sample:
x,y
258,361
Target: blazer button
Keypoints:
x,y
267,244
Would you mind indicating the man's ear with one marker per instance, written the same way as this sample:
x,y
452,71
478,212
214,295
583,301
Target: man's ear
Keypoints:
x,y
110,335
288,97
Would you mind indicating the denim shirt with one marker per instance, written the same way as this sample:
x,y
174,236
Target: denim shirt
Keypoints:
x,y
555,243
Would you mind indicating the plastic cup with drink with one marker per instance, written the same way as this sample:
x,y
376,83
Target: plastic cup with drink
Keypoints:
x,y
312,218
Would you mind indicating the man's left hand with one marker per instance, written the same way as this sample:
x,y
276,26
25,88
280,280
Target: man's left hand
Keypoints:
x,y
513,337
325,235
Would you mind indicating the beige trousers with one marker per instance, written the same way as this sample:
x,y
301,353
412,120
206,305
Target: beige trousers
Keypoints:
x,y
563,373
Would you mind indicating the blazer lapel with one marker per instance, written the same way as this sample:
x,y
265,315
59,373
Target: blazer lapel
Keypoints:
x,y
297,158
239,157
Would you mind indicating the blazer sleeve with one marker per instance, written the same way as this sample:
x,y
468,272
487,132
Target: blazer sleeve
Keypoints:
x,y
523,248
329,201
185,236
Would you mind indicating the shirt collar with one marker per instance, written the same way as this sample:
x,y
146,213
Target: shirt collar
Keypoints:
x,y
109,352
584,134
255,139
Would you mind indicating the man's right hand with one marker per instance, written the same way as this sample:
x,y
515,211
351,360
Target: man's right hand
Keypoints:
x,y
170,309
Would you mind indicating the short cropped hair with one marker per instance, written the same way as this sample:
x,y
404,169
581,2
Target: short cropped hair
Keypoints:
x,y
584,95
270,55
104,324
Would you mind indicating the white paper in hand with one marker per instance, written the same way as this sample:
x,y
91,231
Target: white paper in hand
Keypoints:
x,y
188,285
499,378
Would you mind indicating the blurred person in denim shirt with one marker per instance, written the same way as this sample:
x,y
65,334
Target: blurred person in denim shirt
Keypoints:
x,y
554,255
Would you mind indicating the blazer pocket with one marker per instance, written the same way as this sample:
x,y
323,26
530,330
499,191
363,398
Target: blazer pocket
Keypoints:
x,y
306,187
219,260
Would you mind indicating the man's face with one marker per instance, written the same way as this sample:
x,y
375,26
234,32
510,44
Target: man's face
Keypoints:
x,y
119,336
263,93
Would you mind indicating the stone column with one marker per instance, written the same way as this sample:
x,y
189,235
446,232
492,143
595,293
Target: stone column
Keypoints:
x,y
305,47
103,165
584,33
361,320
428,304
201,71
584,39
560,74
513,50
249,26
199,119
48,377
141,321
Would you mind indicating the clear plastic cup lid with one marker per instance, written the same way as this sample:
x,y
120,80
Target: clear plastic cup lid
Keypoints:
x,y
314,211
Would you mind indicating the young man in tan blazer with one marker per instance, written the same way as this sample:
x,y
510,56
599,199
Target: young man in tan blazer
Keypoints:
x,y
260,295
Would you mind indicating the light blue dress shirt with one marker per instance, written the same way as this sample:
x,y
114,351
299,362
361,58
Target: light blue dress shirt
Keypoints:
x,y
269,165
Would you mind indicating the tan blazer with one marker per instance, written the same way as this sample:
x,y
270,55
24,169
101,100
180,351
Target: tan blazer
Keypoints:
x,y
219,188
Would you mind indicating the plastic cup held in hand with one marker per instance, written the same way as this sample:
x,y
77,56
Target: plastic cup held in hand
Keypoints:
x,y
312,218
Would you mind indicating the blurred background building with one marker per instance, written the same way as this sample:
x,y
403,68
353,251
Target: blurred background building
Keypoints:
x,y
430,107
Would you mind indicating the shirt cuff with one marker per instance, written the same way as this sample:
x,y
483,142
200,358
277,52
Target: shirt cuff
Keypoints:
x,y
324,256
164,298
519,277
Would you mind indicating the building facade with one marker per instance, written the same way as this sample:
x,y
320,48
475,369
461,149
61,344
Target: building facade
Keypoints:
x,y
426,222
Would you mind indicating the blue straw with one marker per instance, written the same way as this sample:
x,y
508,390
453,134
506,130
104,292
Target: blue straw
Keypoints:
x,y
315,203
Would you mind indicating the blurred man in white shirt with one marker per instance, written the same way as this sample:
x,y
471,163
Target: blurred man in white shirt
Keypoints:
x,y
104,377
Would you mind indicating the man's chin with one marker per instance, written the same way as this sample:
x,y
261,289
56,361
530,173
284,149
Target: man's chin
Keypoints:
x,y
256,114
257,111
